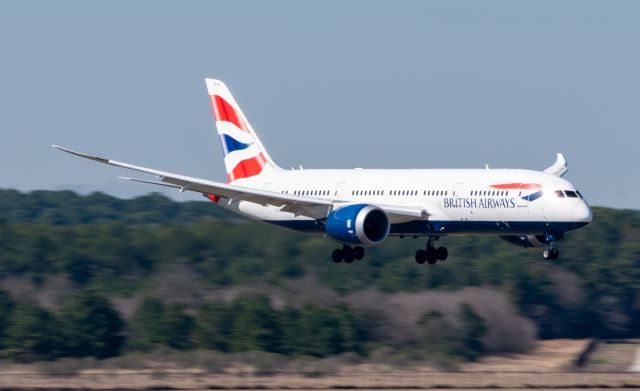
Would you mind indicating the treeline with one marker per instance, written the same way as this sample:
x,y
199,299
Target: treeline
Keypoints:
x,y
68,208
88,326
136,248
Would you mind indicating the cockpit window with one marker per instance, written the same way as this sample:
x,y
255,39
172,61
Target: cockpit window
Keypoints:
x,y
559,193
571,193
579,194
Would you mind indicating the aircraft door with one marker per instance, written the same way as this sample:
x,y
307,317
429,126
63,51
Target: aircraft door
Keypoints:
x,y
522,205
458,210
458,190
339,191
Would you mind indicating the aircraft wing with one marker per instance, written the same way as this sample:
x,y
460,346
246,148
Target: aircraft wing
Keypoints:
x,y
317,208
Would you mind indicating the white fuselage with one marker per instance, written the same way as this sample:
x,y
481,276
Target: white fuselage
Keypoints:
x,y
458,201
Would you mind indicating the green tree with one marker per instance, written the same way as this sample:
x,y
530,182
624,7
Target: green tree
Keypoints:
x,y
317,331
352,335
33,332
147,324
91,327
439,338
157,324
254,325
320,332
213,327
178,327
6,305
472,331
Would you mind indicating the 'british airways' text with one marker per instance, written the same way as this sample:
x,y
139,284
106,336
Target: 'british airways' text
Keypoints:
x,y
475,203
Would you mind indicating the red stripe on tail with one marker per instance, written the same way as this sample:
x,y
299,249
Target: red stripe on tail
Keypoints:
x,y
223,111
247,168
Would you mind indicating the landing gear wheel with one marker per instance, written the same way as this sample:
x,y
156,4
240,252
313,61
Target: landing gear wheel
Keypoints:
x,y
551,254
358,253
421,256
347,254
432,255
443,253
336,255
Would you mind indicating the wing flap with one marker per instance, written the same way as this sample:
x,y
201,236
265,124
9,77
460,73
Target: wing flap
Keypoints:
x,y
149,182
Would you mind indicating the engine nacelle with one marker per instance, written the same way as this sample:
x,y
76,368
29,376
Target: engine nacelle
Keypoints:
x,y
526,240
363,224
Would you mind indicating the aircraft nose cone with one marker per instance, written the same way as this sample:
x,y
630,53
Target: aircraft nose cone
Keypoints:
x,y
582,213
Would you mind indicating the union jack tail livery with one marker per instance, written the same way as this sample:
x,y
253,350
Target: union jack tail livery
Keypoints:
x,y
244,154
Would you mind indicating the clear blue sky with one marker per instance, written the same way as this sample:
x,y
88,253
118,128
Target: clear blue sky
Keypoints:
x,y
326,84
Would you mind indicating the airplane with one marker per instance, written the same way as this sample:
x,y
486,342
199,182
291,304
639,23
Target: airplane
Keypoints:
x,y
360,208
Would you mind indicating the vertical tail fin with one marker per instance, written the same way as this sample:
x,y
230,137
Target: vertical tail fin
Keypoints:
x,y
244,154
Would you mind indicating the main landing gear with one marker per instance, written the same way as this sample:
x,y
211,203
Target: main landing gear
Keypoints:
x,y
431,254
347,254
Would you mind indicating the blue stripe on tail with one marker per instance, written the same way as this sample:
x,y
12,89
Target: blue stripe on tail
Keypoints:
x,y
230,144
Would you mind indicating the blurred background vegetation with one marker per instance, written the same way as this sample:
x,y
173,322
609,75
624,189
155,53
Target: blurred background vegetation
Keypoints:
x,y
97,276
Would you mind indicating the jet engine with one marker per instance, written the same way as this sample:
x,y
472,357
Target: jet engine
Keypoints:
x,y
367,225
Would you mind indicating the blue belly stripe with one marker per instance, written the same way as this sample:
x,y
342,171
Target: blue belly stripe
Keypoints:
x,y
444,228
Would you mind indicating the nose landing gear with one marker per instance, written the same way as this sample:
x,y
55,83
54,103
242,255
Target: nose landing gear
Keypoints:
x,y
551,253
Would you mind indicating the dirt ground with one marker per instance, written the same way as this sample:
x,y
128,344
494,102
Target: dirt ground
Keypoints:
x,y
613,356
553,355
140,380
549,366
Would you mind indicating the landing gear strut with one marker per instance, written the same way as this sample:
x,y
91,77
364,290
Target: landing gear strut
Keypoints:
x,y
347,254
431,254
551,253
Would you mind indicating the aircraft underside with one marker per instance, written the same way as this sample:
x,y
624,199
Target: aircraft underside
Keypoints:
x,y
445,228
520,233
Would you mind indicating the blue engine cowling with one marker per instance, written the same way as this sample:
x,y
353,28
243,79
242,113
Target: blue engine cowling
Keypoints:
x,y
363,224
